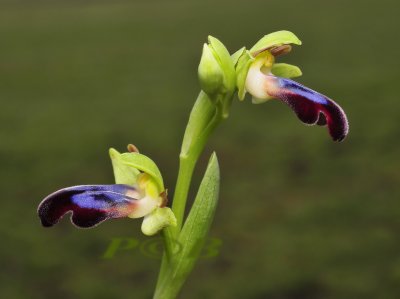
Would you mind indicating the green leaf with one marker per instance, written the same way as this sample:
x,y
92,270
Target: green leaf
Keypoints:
x,y
145,164
277,38
198,222
286,70
242,68
193,235
235,56
124,174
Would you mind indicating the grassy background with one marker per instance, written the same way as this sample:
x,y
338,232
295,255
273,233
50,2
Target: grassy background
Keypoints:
x,y
299,216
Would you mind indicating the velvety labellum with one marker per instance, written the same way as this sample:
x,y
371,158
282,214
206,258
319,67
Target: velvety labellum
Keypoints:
x,y
310,106
89,204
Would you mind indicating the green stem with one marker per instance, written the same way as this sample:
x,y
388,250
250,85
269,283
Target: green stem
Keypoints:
x,y
168,243
204,118
186,168
187,163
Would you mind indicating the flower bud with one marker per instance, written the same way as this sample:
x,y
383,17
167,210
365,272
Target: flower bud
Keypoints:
x,y
211,75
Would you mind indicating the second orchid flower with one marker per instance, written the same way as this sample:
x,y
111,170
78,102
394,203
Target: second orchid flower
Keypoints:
x,y
259,75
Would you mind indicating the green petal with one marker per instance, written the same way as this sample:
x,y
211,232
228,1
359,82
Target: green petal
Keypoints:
x,y
145,164
286,70
157,220
123,173
277,38
242,68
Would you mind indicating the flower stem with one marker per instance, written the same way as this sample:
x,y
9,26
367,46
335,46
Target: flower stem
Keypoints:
x,y
203,120
169,243
187,162
186,168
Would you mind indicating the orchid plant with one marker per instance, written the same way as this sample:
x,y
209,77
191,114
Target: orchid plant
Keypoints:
x,y
139,190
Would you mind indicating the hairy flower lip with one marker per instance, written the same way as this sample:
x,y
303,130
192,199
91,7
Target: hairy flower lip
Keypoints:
x,y
93,204
311,107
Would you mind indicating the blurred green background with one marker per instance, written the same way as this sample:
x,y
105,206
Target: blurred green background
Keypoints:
x,y
299,216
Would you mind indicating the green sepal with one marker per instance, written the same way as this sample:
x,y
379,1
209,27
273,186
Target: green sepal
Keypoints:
x,y
235,56
277,38
145,164
242,68
286,70
124,174
157,220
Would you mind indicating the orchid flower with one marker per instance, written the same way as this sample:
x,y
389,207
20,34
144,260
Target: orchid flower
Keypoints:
x,y
257,73
138,192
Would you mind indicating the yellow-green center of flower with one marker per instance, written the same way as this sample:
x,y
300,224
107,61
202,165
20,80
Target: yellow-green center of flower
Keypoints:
x,y
150,196
255,80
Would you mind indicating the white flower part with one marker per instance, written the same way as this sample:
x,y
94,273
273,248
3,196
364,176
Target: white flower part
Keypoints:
x,y
147,195
257,77
145,206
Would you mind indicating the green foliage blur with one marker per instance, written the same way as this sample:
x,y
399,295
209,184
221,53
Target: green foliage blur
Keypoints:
x,y
299,216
